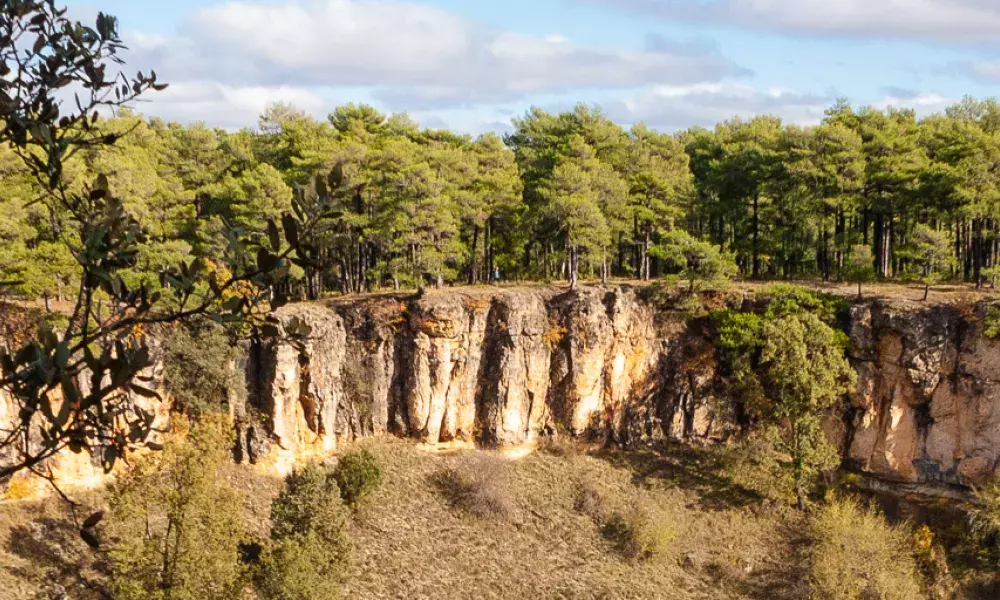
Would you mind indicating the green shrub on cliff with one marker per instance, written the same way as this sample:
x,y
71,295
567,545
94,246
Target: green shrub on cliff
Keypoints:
x,y
991,325
199,368
984,519
856,555
804,374
787,367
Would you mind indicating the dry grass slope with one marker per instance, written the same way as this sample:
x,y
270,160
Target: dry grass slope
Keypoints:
x,y
414,542
468,524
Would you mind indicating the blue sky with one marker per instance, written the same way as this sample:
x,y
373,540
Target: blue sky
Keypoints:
x,y
473,64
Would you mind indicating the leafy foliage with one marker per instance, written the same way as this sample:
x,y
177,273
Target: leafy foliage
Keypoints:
x,y
172,529
94,364
787,367
984,519
199,368
358,474
310,549
856,555
930,252
992,323
696,260
805,374
859,267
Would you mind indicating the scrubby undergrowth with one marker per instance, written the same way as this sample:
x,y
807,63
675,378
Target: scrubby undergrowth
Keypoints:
x,y
673,523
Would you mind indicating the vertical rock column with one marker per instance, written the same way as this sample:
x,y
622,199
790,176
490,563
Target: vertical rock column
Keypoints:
x,y
300,391
514,380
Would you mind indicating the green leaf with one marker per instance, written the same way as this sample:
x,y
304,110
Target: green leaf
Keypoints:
x,y
274,235
291,230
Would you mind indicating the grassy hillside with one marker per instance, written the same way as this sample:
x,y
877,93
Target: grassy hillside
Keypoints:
x,y
473,524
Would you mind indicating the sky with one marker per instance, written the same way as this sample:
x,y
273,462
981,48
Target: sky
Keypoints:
x,y
473,65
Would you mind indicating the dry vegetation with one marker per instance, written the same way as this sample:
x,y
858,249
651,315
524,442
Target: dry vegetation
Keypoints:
x,y
671,522
442,528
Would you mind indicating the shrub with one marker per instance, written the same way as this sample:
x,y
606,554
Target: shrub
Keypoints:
x,y
992,323
300,567
478,486
358,474
932,563
984,519
175,534
589,502
641,533
198,368
856,555
310,550
757,467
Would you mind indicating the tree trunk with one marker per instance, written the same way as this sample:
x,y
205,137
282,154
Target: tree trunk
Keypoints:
x,y
488,249
647,244
841,241
879,244
756,236
472,255
977,252
572,267
604,265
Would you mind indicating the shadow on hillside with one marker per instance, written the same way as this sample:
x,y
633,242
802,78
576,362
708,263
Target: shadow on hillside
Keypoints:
x,y
783,575
686,467
54,553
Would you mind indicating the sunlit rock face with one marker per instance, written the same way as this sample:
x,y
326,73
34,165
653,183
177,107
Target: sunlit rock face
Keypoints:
x,y
497,369
927,407
506,367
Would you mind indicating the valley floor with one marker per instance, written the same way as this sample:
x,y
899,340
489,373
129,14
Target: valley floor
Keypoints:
x,y
534,539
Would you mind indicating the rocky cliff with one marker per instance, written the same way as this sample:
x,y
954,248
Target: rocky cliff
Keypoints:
x,y
927,408
506,367
490,369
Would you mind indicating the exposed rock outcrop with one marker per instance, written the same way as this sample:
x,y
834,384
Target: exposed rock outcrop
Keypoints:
x,y
506,367
927,408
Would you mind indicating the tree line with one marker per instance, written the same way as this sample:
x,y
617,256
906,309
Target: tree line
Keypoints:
x,y
562,196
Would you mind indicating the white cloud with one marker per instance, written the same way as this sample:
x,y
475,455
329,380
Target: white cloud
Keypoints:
x,y
984,71
923,104
220,105
412,55
678,107
953,21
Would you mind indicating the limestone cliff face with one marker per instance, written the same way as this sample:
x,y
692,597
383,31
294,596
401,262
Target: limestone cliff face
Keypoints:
x,y
504,368
927,408
495,369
